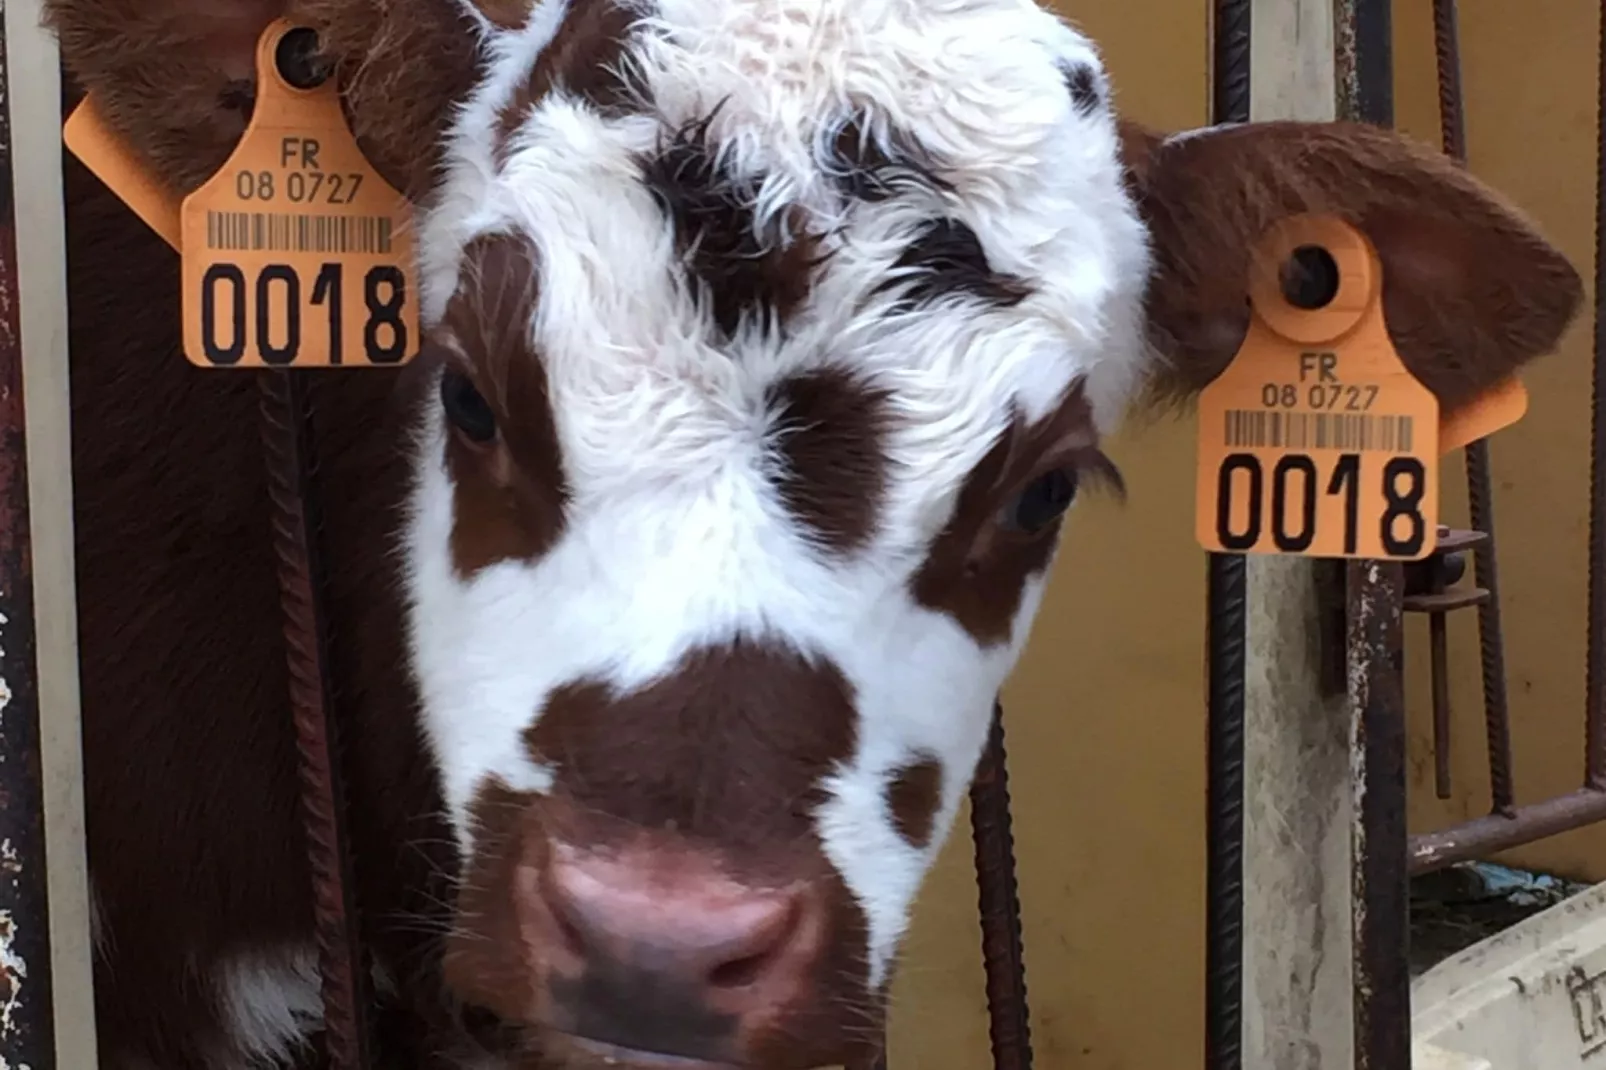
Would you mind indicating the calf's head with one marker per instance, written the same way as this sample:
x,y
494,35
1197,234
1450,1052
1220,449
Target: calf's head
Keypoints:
x,y
770,341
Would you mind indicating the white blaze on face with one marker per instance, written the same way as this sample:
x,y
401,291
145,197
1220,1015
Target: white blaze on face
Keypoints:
x,y
675,535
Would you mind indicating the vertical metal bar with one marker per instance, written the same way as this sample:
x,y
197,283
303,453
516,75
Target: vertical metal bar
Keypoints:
x,y
1370,66
1439,654
285,416
1003,956
1375,656
1298,797
1480,482
26,1024
1227,641
46,983
1381,889
1224,947
1595,687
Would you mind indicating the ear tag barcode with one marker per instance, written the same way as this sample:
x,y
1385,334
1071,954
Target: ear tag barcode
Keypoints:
x,y
297,253
1316,441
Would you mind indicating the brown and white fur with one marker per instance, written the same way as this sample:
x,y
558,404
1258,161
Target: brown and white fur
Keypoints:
x,y
768,342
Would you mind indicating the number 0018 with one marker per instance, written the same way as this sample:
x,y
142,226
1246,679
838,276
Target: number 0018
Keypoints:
x,y
1295,485
276,298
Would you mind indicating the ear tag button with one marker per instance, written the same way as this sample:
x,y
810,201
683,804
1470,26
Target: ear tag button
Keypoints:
x,y
297,254
1316,441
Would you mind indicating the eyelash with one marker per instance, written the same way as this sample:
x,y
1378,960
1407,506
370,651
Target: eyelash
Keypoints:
x,y
1047,496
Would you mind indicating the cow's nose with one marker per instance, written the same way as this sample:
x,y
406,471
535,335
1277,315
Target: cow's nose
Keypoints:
x,y
659,952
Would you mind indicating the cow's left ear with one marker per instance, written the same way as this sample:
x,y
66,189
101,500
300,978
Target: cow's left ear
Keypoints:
x,y
176,79
1471,290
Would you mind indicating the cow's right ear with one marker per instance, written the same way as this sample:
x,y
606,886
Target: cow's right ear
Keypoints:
x,y
176,79
1471,289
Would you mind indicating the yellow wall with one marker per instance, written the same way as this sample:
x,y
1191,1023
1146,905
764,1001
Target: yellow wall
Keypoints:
x,y
1106,712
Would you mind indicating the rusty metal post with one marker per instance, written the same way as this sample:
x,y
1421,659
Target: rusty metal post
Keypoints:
x,y
1380,888
1003,955
285,420
1375,663
46,991
1595,695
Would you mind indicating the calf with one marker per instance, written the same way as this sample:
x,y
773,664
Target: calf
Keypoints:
x,y
768,343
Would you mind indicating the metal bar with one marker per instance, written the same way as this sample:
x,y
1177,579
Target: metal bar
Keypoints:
x,y
1297,798
1380,888
1595,679
1003,956
1364,43
1484,836
1439,654
47,1002
1480,482
285,417
1230,67
1227,637
1224,938
1380,892
26,1022
1491,635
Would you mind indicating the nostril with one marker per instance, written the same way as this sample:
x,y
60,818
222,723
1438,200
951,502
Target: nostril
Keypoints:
x,y
568,919
573,941
760,947
742,972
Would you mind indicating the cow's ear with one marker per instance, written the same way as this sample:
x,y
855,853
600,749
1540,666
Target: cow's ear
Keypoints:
x,y
1471,290
176,78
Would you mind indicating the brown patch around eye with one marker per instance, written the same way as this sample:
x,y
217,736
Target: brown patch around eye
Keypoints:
x,y
913,795
508,493
974,571
829,434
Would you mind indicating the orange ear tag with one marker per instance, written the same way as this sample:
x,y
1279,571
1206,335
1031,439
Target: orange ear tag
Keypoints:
x,y
297,253
109,159
1316,441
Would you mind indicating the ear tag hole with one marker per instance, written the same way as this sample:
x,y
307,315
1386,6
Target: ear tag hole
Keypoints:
x,y
1316,279
297,61
1310,278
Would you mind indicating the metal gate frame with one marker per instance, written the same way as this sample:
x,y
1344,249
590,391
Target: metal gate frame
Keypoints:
x,y
1507,824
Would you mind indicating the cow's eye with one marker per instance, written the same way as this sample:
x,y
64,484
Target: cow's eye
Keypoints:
x,y
1040,502
467,408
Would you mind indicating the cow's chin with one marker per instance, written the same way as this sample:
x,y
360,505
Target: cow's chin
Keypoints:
x,y
500,1045
563,1051
554,1050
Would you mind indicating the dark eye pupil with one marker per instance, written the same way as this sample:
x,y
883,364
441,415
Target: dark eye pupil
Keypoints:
x,y
1043,500
466,408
